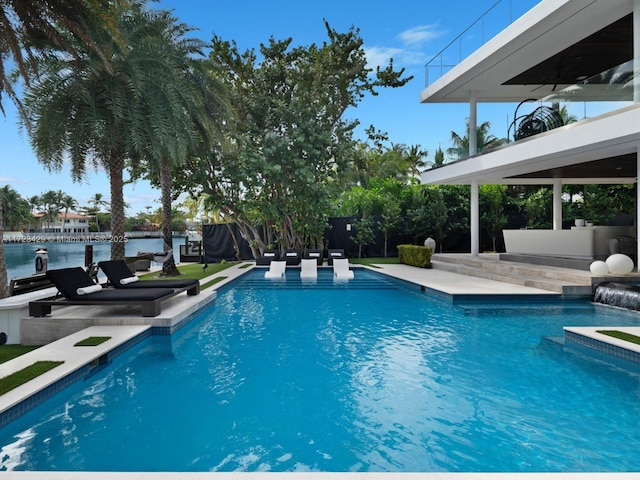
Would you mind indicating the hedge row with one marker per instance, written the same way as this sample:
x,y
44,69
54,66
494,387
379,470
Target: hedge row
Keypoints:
x,y
415,255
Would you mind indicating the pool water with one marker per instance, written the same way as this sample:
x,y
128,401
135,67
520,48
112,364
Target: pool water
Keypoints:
x,y
367,375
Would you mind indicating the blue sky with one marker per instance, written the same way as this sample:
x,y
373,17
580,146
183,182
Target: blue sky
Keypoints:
x,y
411,32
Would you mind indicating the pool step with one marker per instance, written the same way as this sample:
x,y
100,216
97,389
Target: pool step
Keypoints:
x,y
554,279
325,280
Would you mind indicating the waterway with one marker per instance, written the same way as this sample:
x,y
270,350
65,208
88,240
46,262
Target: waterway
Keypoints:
x,y
20,257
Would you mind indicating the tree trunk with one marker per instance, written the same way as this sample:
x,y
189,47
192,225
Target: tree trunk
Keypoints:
x,y
236,245
4,287
169,268
251,235
116,166
386,241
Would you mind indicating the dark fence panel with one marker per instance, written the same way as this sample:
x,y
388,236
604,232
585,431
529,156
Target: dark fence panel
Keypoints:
x,y
218,244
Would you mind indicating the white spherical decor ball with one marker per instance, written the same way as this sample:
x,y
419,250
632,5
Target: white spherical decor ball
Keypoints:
x,y
599,268
619,264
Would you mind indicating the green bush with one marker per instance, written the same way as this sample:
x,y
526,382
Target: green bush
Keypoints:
x,y
415,255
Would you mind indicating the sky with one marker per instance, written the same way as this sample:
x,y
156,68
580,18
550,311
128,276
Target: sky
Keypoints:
x,y
410,32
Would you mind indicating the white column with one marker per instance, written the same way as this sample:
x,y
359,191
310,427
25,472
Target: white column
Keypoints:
x,y
637,222
636,50
557,204
475,218
473,124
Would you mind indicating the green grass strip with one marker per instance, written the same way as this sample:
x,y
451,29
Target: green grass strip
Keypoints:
x,y
9,352
91,341
20,377
191,270
621,335
212,282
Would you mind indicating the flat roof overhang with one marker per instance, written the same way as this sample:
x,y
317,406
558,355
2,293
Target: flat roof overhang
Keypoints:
x,y
599,150
550,47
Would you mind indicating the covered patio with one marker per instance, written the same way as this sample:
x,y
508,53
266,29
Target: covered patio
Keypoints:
x,y
559,53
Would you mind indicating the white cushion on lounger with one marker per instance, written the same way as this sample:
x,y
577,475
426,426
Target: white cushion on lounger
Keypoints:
x,y
128,280
89,289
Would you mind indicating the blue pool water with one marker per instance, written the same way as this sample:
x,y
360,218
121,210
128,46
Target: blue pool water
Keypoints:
x,y
370,375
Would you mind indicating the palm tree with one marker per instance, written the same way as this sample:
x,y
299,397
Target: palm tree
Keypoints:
x,y
28,26
438,159
97,203
484,141
90,114
416,159
67,202
50,203
180,112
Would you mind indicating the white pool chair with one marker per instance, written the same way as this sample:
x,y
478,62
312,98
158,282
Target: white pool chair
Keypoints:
x,y
276,269
309,269
341,269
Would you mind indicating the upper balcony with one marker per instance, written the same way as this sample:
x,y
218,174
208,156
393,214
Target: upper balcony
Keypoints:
x,y
584,133
499,16
569,56
555,44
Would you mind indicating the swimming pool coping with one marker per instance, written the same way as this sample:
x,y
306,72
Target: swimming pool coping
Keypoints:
x,y
589,337
78,363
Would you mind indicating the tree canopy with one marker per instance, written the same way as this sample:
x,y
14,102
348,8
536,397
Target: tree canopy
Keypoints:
x,y
290,143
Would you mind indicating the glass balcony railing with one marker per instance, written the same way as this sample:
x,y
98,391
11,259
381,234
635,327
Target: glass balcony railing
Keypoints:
x,y
592,96
600,94
499,16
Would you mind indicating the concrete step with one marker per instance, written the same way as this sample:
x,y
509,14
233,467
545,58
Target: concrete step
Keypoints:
x,y
554,279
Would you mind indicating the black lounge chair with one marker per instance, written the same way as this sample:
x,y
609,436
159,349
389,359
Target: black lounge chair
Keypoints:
x,y
318,254
267,256
120,276
70,282
335,253
292,257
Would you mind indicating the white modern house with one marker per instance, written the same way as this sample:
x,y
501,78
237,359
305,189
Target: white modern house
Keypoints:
x,y
580,53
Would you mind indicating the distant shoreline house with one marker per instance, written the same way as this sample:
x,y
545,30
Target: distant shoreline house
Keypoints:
x,y
71,223
579,54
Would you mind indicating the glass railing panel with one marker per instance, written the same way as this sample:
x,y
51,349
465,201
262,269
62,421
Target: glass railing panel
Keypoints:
x,y
499,16
600,94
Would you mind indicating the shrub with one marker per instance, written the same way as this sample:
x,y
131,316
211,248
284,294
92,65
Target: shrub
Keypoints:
x,y
415,255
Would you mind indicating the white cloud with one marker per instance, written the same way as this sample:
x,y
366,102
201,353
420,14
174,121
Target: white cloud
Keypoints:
x,y
379,56
420,34
410,54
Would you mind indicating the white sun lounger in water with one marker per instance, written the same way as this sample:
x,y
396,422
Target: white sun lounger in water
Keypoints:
x,y
276,269
309,269
341,268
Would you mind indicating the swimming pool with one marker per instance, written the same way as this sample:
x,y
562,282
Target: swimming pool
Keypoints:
x,y
368,375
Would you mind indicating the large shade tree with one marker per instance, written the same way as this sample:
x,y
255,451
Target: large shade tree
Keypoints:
x,y
28,26
290,143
